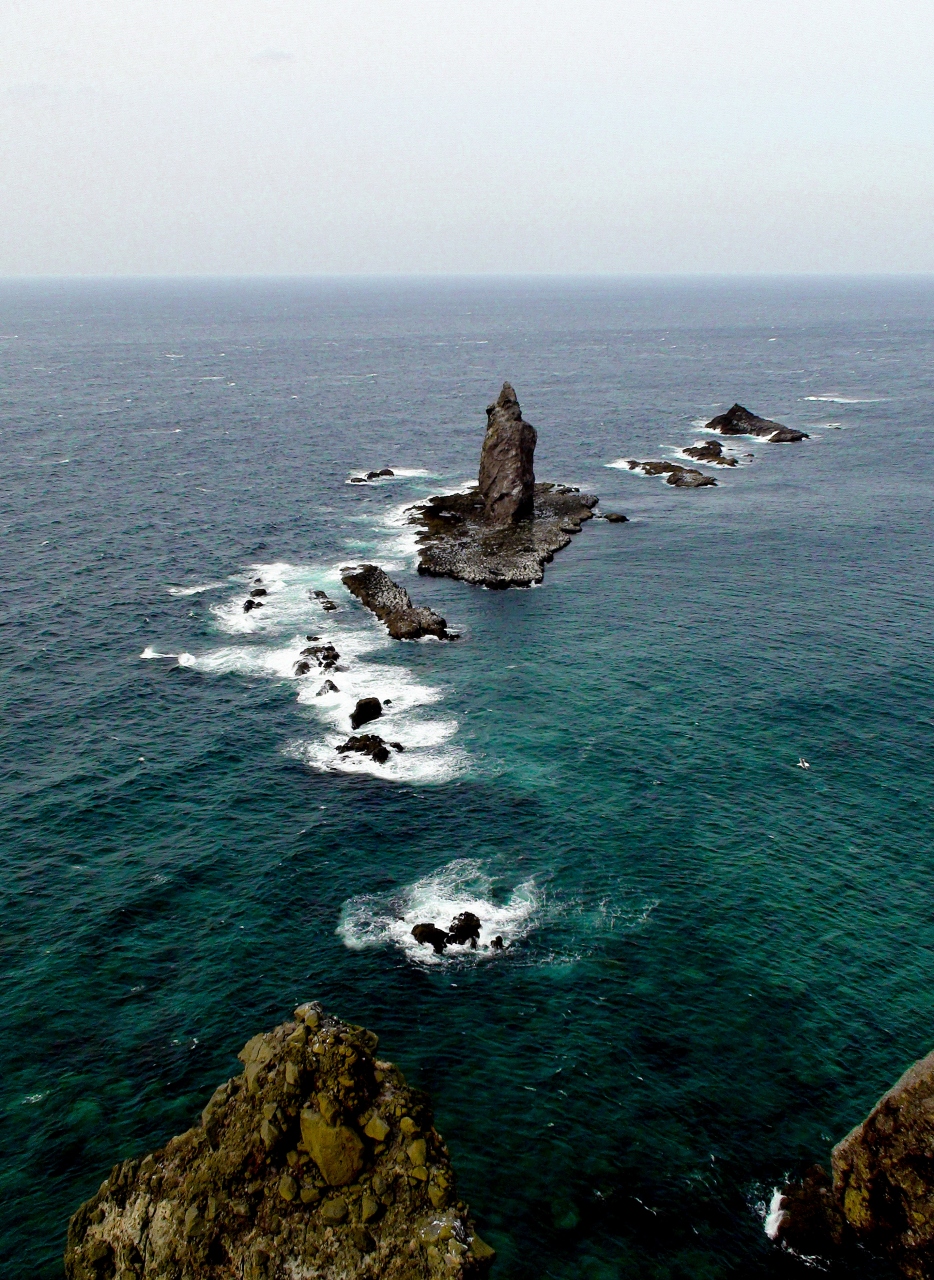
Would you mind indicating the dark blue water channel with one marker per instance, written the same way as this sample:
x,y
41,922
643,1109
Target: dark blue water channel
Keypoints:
x,y
717,959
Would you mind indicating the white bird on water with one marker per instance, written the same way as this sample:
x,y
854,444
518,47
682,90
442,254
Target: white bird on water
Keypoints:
x,y
802,763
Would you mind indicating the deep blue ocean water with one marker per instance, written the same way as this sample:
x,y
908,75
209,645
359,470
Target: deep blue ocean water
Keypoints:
x,y
717,959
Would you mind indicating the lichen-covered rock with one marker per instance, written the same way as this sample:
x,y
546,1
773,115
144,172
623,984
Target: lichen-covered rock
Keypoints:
x,y
393,605
506,482
881,1195
317,1161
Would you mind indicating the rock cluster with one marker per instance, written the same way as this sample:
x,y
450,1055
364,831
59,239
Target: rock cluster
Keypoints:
x,y
392,604
503,532
674,473
880,1194
738,421
712,451
327,604
317,1161
384,474
463,929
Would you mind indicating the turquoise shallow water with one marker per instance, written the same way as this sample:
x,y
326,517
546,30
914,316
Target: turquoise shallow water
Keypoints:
x,y
718,960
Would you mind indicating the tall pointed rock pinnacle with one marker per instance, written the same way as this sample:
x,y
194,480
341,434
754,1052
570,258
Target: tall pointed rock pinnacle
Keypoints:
x,y
507,476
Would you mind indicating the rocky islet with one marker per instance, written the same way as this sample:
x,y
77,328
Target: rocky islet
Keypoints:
x,y
317,1160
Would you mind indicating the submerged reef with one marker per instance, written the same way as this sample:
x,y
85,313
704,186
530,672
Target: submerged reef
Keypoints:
x,y
879,1195
318,1160
504,531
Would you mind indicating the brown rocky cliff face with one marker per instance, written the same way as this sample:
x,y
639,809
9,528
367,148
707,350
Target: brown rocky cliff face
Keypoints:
x,y
317,1161
507,474
882,1191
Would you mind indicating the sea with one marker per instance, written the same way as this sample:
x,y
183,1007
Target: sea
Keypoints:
x,y
687,779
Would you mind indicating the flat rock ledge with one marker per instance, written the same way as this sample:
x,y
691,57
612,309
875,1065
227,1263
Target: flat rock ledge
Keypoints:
x,y
317,1161
392,604
879,1195
459,541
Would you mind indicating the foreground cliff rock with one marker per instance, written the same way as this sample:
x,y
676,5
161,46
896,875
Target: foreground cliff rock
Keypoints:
x,y
318,1161
739,421
503,532
392,604
880,1194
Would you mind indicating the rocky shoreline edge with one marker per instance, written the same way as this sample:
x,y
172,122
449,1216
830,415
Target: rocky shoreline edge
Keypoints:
x,y
317,1160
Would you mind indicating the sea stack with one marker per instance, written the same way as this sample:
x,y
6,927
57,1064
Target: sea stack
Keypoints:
x,y
502,532
507,475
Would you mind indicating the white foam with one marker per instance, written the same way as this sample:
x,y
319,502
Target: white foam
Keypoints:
x,y
849,399
150,652
380,920
775,1214
194,591
267,643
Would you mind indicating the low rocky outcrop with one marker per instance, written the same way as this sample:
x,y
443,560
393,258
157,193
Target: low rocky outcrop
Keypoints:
x,y
880,1193
372,745
317,1161
322,597
504,531
711,451
385,473
367,709
613,517
674,473
392,604
464,929
328,687
739,421
325,656
250,604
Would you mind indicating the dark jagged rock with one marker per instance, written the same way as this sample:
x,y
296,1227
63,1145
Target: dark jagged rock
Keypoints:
x,y
881,1193
328,687
250,604
358,479
318,1160
739,421
675,474
324,600
613,517
367,709
259,591
312,637
392,605
257,582
325,655
465,928
497,943
712,451
302,668
507,475
369,744
430,935
386,472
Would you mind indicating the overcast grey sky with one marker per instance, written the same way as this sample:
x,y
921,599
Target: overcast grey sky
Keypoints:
x,y
362,136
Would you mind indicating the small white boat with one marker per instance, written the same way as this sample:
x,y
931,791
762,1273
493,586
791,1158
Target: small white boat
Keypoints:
x,y
802,763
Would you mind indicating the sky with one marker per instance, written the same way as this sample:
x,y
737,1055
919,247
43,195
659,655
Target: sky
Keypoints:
x,y
295,137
